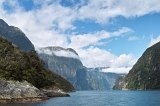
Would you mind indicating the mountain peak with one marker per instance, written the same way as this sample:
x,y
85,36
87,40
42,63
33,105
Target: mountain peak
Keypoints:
x,y
3,22
16,36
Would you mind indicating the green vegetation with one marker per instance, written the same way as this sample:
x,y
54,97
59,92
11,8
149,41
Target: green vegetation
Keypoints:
x,y
18,65
145,74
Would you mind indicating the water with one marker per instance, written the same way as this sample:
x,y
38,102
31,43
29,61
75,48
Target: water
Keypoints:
x,y
102,98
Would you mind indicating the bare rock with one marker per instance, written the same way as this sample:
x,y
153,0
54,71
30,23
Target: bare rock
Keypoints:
x,y
14,91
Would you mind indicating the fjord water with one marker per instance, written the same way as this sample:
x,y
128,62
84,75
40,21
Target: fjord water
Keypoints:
x,y
102,98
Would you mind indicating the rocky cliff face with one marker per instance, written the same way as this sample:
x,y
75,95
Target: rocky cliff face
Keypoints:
x,y
145,74
100,80
120,83
16,36
66,63
82,83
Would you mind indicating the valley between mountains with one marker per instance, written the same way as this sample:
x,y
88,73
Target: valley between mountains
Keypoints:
x,y
28,74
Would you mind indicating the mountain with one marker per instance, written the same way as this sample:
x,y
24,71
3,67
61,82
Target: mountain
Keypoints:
x,y
82,81
16,36
145,74
64,62
102,80
67,64
16,65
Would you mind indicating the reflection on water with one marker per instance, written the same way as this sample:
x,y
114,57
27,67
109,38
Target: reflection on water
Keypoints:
x,y
102,98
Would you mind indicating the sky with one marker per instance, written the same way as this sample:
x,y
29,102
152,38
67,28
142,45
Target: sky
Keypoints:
x,y
105,33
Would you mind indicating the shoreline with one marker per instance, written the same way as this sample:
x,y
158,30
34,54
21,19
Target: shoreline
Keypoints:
x,y
24,92
24,100
32,99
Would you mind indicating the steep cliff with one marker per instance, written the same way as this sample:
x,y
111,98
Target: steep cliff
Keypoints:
x,y
102,80
16,36
145,74
64,62
67,64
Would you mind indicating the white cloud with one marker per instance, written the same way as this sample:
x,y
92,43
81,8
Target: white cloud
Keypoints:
x,y
133,38
48,22
122,31
126,60
43,26
80,41
46,26
90,39
95,57
103,10
117,70
154,41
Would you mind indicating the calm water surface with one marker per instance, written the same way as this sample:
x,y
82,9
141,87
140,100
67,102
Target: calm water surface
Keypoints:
x,y
102,98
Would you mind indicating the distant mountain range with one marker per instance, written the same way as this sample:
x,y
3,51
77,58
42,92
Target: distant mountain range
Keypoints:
x,y
145,74
67,63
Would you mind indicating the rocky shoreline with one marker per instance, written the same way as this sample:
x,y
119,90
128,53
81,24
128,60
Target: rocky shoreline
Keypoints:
x,y
24,92
32,99
23,100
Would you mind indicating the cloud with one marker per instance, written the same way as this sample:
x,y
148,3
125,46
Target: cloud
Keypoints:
x,y
95,57
117,70
48,22
124,60
103,11
133,38
43,26
154,41
90,39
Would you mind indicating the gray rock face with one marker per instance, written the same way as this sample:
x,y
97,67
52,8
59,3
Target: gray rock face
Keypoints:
x,y
54,92
101,80
66,63
16,36
17,90
82,83
120,83
22,92
58,60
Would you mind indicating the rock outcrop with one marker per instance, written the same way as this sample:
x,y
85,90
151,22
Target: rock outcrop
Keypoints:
x,y
15,91
22,92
